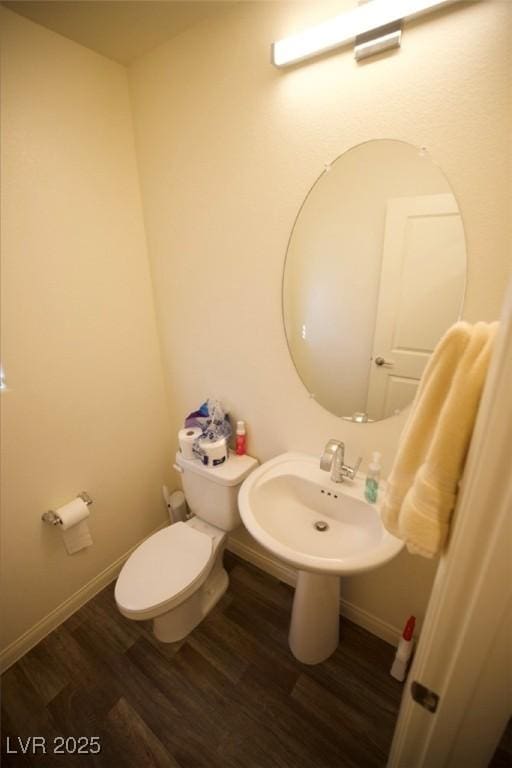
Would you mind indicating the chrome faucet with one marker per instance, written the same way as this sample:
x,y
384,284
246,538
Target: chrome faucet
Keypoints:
x,y
333,460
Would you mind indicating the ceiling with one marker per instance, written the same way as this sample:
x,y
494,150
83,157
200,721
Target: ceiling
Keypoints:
x,y
122,30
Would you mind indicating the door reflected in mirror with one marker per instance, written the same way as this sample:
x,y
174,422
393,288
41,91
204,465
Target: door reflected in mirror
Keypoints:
x,y
374,275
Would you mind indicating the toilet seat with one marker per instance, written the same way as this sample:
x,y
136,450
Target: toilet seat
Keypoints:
x,y
163,571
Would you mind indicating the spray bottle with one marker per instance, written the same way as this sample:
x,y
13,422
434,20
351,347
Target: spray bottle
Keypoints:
x,y
404,651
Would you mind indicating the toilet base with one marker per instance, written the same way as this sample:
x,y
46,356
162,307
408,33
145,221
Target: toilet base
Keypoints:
x,y
177,623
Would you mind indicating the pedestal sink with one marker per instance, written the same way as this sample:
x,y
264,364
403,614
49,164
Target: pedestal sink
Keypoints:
x,y
323,529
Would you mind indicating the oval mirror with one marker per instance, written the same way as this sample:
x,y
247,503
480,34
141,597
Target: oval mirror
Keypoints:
x,y
374,275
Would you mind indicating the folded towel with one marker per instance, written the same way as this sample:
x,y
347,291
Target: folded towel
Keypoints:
x,y
422,488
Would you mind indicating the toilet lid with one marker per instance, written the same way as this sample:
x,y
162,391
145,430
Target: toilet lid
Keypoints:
x,y
167,564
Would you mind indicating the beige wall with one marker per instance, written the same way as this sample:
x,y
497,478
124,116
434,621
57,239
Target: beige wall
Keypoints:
x,y
228,147
85,408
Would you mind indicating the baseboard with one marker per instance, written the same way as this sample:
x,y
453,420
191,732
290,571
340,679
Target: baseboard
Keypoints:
x,y
288,575
371,623
262,560
51,621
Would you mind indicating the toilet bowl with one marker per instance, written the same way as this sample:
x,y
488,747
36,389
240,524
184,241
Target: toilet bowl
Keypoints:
x,y
176,576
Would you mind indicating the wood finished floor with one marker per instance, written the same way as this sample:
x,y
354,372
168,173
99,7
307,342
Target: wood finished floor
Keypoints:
x,y
230,696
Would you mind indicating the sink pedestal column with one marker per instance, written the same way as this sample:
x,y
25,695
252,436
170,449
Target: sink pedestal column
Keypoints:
x,y
315,625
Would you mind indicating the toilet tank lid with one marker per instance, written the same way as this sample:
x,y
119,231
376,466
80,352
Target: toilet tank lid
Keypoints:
x,y
232,472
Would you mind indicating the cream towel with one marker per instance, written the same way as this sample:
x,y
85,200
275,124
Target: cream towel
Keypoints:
x,y
422,487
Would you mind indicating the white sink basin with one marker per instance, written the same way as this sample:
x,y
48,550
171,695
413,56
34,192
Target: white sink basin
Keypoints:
x,y
283,499
324,529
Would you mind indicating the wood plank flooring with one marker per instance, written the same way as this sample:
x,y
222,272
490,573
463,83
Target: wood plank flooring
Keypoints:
x,y
230,696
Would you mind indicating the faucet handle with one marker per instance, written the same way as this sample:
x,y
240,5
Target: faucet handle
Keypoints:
x,y
328,454
351,472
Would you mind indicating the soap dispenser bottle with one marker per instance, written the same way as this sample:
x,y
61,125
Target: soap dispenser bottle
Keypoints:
x,y
372,479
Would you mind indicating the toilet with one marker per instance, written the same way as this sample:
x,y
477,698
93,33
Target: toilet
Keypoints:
x,y
176,576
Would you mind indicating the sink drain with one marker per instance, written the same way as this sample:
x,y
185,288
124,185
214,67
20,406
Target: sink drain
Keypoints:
x,y
321,525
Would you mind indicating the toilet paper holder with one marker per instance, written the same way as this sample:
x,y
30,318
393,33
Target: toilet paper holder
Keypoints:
x,y
52,518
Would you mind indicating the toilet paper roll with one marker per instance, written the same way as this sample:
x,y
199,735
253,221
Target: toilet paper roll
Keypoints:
x,y
72,513
74,526
215,452
186,438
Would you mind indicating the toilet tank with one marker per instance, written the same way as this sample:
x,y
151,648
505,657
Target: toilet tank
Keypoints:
x,y
212,492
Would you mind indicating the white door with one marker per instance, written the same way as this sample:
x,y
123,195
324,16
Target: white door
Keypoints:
x,y
464,652
420,295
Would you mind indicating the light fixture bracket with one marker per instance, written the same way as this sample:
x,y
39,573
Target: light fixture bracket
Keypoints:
x,y
378,40
371,17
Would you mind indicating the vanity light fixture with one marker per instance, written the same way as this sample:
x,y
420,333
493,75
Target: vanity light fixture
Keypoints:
x,y
348,26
